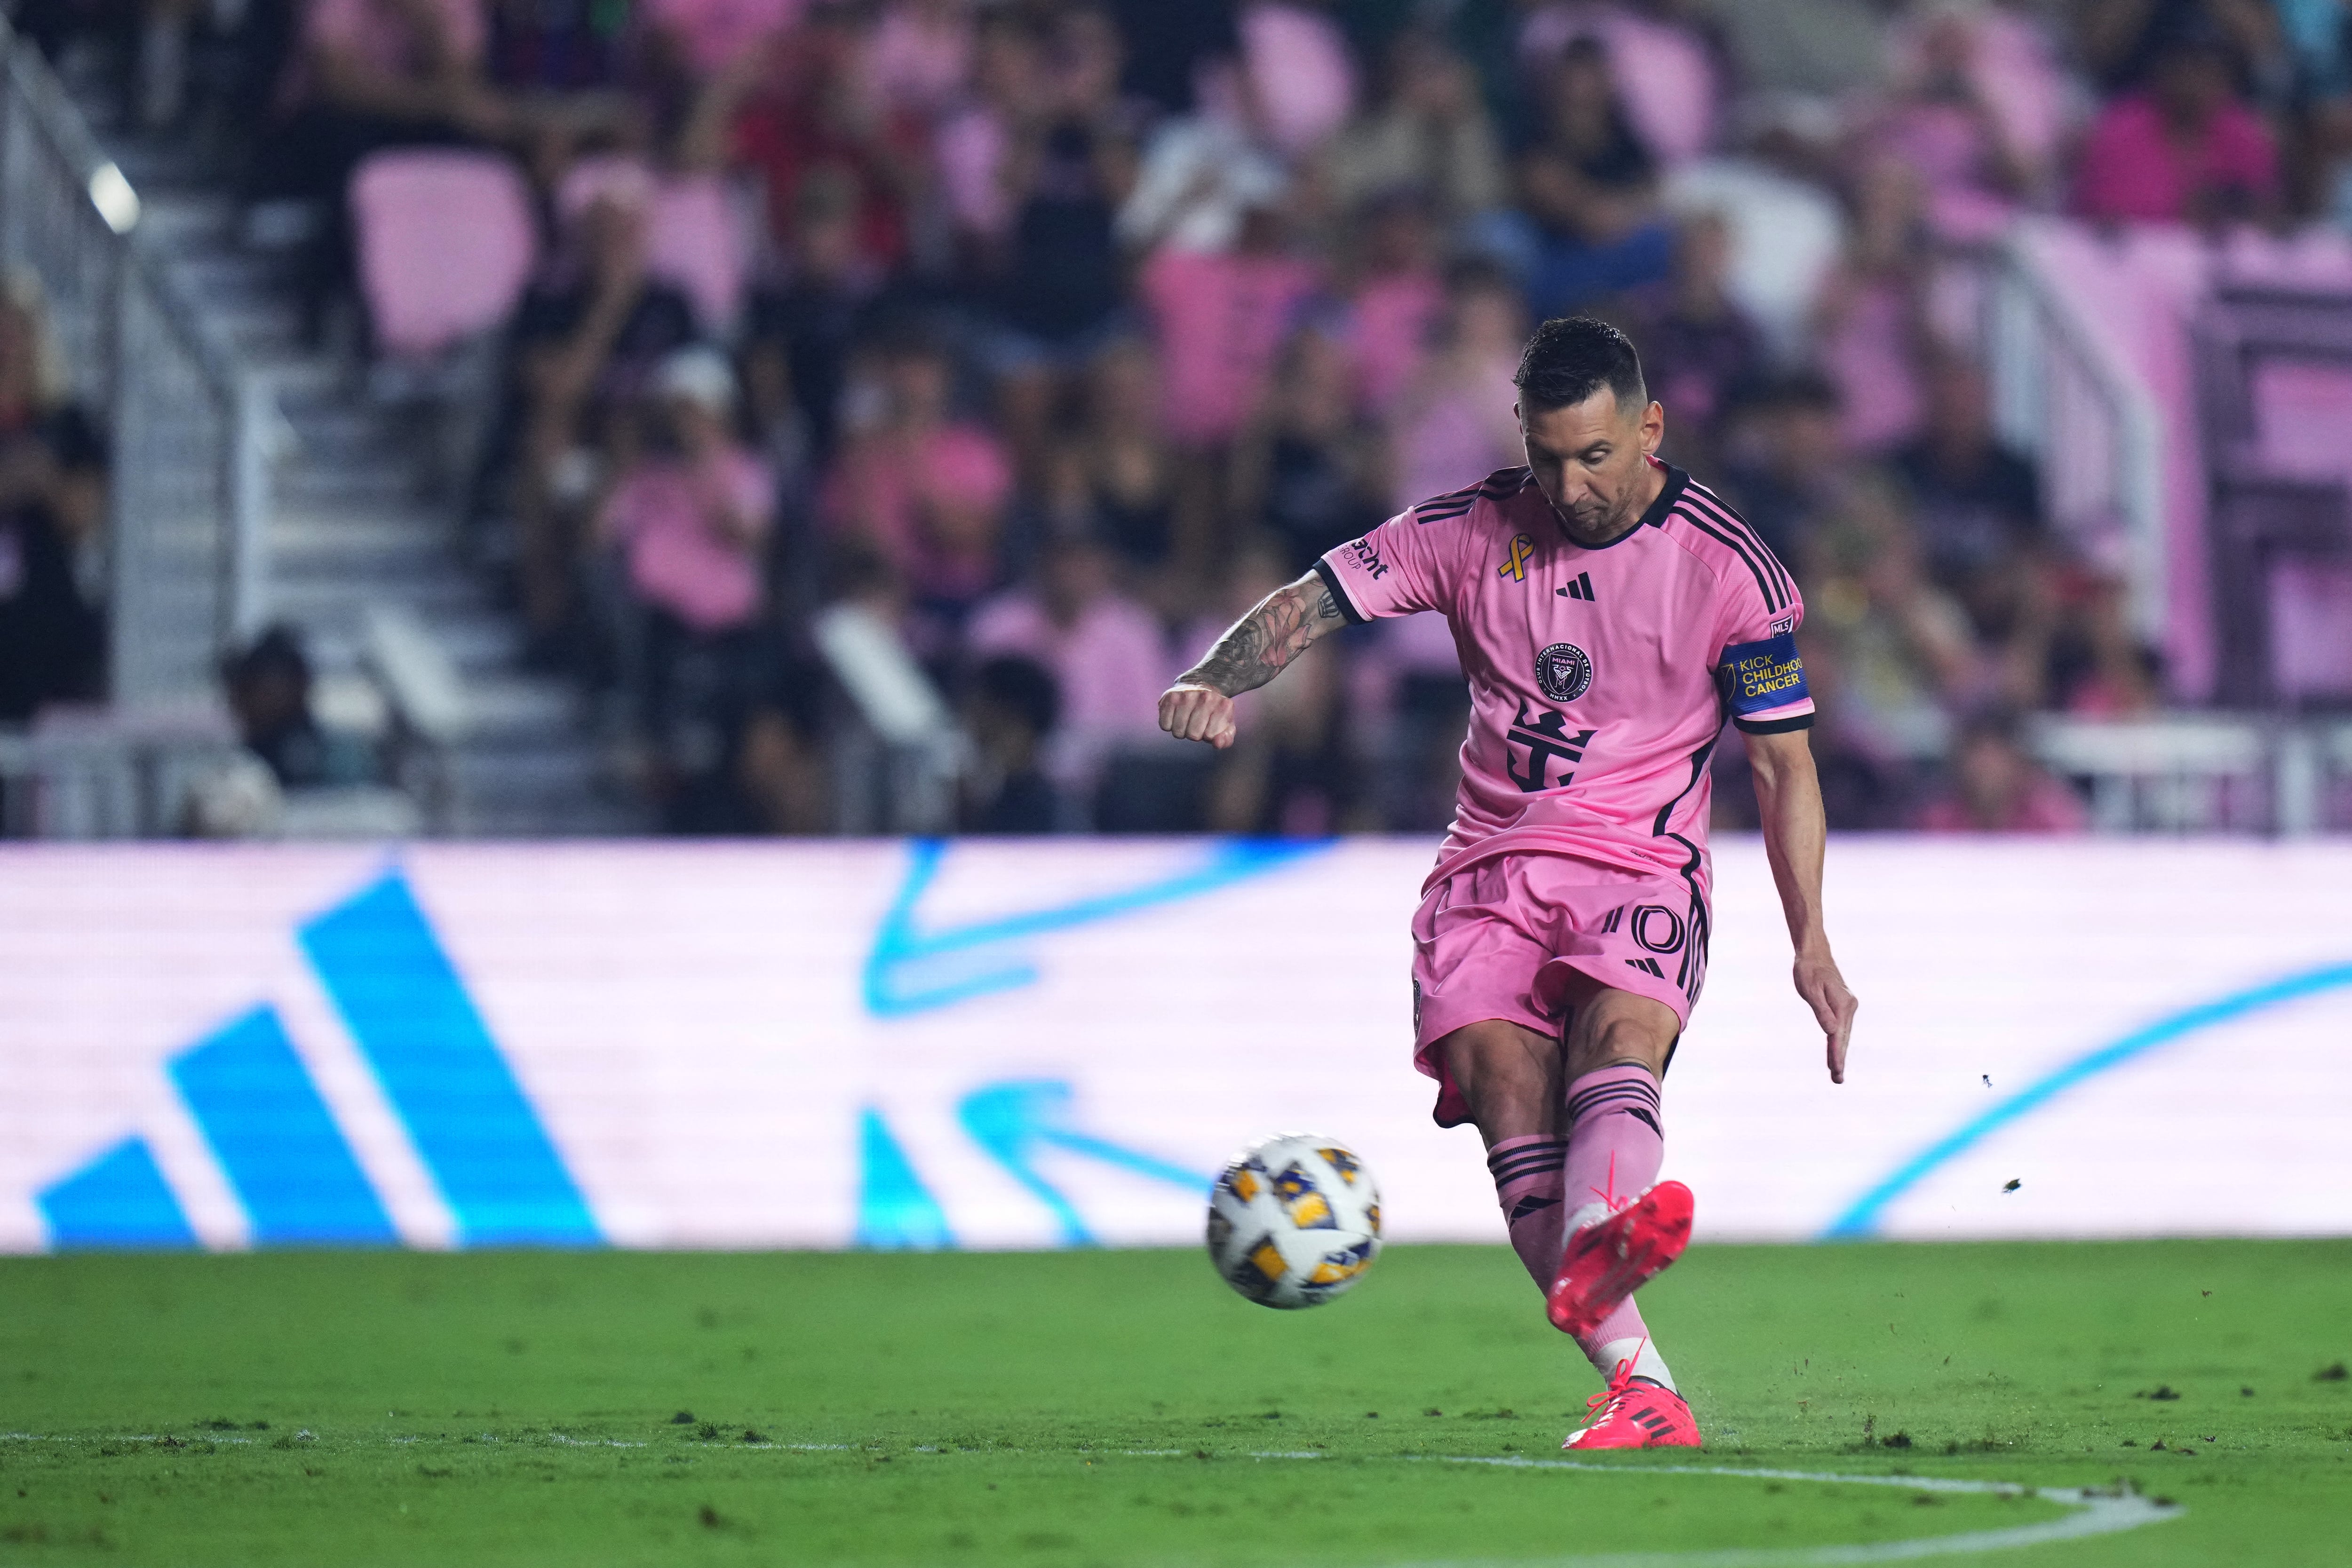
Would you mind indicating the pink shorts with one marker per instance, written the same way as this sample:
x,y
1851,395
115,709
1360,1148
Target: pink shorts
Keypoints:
x,y
1526,937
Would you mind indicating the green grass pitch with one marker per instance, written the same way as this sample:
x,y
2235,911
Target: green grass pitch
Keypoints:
x,y
1106,1407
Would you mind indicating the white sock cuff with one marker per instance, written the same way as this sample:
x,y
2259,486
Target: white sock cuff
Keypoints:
x,y
1590,1214
1647,1362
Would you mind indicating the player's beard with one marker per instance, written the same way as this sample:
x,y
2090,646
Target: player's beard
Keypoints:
x,y
1593,522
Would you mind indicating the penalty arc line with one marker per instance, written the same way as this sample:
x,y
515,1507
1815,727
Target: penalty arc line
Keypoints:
x,y
2097,1513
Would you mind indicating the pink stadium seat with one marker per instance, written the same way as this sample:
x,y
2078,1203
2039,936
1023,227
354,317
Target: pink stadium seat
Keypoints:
x,y
694,242
698,245
446,244
2302,416
2302,413
1662,72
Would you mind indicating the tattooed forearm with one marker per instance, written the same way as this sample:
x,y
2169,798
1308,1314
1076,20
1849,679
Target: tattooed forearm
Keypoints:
x,y
1261,643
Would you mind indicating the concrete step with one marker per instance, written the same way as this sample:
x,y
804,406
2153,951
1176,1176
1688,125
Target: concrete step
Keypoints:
x,y
339,601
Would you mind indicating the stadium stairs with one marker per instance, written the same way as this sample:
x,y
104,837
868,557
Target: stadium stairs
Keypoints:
x,y
362,527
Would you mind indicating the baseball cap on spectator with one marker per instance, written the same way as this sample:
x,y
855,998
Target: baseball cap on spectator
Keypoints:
x,y
698,374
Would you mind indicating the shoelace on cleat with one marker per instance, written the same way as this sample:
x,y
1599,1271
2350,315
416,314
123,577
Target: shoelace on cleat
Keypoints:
x,y
1620,1382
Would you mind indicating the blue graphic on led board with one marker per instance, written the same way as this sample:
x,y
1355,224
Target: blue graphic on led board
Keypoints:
x,y
119,1199
1862,1217
279,1145
911,970
276,1141
896,1212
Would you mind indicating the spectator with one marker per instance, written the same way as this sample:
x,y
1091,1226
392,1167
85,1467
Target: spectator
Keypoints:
x,y
799,335
1588,193
1219,319
1396,300
1905,651
2124,41
1997,787
586,342
53,476
922,53
1870,322
803,107
1697,345
1103,650
691,514
1129,467
1055,284
974,137
1977,504
781,779
1785,461
52,642
925,490
1665,62
268,685
1308,470
1431,134
2181,150
2098,667
1203,177
368,75
1171,49
1456,424
1011,713
1977,131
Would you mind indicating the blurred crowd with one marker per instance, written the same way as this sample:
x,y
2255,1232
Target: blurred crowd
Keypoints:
x,y
1058,331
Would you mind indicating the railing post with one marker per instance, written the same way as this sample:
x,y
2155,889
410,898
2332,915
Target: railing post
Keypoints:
x,y
247,600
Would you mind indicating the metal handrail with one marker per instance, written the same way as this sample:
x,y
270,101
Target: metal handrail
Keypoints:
x,y
2041,346
189,422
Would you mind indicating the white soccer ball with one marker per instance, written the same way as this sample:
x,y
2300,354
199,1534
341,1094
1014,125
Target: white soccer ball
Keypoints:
x,y
1295,1222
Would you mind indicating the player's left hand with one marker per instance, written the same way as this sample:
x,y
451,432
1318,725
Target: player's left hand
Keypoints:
x,y
1823,988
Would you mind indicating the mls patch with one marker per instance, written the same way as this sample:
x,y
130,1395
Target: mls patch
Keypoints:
x,y
1564,672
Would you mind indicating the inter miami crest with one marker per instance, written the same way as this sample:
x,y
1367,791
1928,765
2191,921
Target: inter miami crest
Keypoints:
x,y
1564,672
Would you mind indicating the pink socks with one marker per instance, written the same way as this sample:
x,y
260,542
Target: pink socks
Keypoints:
x,y
1529,1176
1548,1186
1615,1146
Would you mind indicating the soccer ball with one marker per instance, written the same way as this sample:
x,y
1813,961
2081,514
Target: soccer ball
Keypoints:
x,y
1295,1222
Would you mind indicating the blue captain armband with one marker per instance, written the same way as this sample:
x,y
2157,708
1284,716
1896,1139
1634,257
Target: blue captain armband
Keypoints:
x,y
1764,685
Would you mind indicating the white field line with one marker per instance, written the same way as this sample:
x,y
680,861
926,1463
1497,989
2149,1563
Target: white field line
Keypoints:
x,y
2096,1512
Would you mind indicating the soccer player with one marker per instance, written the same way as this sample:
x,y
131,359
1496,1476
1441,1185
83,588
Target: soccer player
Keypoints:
x,y
1612,612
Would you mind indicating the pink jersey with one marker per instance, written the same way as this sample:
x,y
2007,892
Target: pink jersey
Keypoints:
x,y
1600,679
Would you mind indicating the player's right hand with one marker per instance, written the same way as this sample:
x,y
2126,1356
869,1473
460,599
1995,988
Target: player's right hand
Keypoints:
x,y
1198,713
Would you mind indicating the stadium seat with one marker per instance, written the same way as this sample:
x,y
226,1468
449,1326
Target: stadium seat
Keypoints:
x,y
695,240
698,245
446,244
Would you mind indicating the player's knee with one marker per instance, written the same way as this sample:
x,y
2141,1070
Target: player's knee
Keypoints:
x,y
1615,1040
1498,1072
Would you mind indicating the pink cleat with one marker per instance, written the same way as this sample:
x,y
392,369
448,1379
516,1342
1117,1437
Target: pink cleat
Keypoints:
x,y
1635,1413
1611,1258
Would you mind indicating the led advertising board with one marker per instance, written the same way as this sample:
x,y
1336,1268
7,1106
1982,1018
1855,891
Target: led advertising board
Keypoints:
x,y
1056,1042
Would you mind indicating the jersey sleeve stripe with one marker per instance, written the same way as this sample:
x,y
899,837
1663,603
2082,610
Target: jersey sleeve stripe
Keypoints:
x,y
1338,595
1764,584
1713,505
1775,726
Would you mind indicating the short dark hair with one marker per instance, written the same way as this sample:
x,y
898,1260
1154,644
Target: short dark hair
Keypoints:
x,y
278,652
1023,687
1573,357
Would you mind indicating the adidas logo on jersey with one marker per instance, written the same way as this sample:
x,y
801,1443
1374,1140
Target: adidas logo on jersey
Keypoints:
x,y
1580,589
